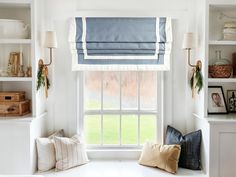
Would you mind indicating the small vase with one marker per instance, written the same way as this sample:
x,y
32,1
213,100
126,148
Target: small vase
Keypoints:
x,y
21,72
29,71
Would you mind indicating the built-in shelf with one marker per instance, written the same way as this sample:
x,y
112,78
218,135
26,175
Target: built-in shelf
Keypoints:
x,y
18,119
225,80
221,42
218,118
15,41
25,118
28,79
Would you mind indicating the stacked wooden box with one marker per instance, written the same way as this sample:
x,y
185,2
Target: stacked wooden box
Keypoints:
x,y
14,104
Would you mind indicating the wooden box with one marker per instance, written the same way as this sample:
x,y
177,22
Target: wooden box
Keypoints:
x,y
14,108
12,96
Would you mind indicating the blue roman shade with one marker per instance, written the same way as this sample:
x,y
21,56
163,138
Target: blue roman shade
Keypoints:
x,y
118,43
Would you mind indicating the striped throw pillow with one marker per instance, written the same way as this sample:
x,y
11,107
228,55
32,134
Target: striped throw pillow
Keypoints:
x,y
70,152
46,151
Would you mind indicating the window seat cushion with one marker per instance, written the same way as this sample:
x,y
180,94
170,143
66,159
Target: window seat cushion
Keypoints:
x,y
115,168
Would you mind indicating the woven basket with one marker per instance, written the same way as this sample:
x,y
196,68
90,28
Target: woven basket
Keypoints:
x,y
220,71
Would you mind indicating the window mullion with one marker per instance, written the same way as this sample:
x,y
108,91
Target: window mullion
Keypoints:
x,y
102,80
160,93
138,77
120,111
81,106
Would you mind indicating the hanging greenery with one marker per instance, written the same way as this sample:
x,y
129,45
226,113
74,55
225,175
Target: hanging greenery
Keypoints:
x,y
196,81
41,76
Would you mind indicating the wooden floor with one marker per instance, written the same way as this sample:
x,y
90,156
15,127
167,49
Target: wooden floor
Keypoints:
x,y
118,169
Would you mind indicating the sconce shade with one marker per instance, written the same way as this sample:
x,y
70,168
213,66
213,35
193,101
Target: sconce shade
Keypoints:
x,y
189,41
50,39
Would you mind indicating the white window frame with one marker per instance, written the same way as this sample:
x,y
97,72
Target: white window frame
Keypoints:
x,y
158,113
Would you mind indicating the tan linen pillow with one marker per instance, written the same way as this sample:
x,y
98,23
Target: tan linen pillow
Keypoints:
x,y
46,151
69,152
165,157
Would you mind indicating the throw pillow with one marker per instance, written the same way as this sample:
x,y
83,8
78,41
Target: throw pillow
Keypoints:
x,y
69,152
46,151
190,147
165,157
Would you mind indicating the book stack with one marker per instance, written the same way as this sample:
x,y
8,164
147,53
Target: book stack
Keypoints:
x,y
229,31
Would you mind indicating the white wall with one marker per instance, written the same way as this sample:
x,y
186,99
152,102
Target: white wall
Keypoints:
x,y
62,95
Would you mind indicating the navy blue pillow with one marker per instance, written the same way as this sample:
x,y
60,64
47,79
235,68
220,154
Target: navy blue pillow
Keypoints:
x,y
190,147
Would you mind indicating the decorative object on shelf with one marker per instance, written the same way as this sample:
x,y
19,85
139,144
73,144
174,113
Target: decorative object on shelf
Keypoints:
x,y
21,72
222,68
50,42
196,81
14,104
12,96
216,100
28,72
11,28
231,100
14,64
234,64
229,31
3,73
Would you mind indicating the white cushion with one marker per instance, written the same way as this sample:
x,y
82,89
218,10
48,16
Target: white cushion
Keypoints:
x,y
46,151
69,152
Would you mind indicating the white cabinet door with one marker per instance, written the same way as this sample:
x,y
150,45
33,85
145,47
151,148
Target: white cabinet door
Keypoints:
x,y
227,154
223,150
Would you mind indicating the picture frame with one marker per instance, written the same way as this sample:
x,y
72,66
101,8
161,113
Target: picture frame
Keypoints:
x,y
231,101
216,100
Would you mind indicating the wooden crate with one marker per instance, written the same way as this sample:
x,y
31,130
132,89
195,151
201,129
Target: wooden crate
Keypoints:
x,y
14,108
12,96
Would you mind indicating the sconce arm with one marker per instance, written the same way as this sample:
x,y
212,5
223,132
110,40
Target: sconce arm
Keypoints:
x,y
42,64
198,64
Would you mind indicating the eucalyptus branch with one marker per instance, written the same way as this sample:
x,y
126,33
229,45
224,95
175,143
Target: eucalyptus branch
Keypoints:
x,y
196,81
41,79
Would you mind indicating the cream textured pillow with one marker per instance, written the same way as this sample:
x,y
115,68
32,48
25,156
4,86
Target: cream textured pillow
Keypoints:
x,y
46,151
165,157
69,152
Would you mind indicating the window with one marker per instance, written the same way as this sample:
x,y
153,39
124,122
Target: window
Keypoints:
x,y
120,109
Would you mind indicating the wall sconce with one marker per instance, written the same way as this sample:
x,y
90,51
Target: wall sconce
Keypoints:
x,y
196,81
189,43
50,41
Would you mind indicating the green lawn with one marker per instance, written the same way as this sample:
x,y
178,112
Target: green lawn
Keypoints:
x,y
111,129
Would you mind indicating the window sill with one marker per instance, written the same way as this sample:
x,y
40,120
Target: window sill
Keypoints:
x,y
111,154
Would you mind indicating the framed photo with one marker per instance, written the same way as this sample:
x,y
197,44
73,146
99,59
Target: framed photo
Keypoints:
x,y
231,100
216,100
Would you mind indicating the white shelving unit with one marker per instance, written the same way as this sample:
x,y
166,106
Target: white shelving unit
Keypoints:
x,y
23,130
218,130
215,41
20,10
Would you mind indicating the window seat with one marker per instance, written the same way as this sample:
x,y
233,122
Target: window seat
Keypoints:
x,y
115,168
